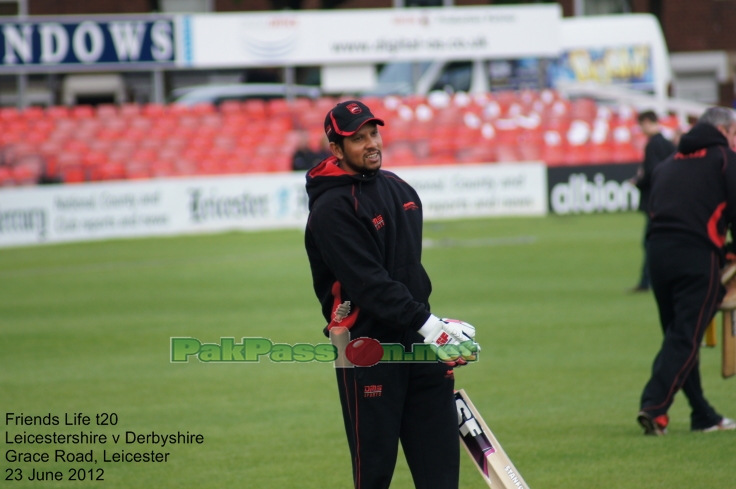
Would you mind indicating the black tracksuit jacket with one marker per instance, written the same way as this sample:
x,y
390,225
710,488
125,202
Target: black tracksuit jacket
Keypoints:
x,y
657,150
694,190
364,243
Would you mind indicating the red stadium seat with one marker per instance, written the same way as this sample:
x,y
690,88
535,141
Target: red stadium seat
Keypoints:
x,y
130,110
178,109
153,110
30,113
58,112
106,111
94,158
6,177
137,170
231,107
255,108
9,114
281,163
83,112
73,175
111,171
507,153
203,108
234,165
279,107
162,168
26,174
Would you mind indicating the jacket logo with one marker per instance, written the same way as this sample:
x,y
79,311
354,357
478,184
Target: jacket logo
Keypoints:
x,y
354,108
378,221
373,390
410,206
698,154
450,374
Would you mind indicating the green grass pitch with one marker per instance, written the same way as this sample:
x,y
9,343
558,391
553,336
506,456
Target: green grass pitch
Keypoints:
x,y
86,327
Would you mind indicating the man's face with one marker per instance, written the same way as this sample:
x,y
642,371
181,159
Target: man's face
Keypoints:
x,y
730,133
649,128
361,152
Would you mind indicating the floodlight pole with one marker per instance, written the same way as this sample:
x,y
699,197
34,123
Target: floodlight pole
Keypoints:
x,y
289,81
22,78
578,8
157,78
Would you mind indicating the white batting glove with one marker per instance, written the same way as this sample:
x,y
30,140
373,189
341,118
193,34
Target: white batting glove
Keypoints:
x,y
451,339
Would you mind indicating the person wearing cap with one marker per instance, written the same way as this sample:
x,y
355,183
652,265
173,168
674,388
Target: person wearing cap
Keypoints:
x,y
692,206
364,243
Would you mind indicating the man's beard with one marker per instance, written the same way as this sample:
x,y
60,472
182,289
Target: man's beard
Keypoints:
x,y
361,168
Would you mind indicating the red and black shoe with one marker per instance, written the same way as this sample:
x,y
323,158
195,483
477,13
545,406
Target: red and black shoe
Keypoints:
x,y
653,426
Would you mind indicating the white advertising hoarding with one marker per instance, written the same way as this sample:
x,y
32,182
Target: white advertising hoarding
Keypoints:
x,y
457,191
151,208
62,213
368,36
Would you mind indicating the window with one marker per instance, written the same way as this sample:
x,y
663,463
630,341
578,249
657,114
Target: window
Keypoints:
x,y
456,77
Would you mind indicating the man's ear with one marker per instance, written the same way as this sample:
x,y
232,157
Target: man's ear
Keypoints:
x,y
723,130
336,150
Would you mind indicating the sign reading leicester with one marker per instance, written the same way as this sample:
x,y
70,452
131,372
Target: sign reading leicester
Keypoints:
x,y
83,44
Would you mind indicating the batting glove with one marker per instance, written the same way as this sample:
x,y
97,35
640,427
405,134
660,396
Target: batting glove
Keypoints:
x,y
451,339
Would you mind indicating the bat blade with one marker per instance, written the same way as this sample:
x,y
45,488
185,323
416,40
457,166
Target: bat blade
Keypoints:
x,y
489,458
728,360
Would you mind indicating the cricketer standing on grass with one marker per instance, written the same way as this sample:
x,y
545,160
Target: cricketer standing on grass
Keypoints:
x,y
692,205
657,149
364,243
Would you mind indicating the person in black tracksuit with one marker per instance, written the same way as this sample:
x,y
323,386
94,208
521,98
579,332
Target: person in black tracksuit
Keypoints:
x,y
657,149
364,243
692,204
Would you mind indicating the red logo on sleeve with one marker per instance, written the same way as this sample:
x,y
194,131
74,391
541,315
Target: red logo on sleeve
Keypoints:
x,y
410,206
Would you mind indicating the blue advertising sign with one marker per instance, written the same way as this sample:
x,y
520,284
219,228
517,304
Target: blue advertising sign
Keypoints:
x,y
623,65
86,44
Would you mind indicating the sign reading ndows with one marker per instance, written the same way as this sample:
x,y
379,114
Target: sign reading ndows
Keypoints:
x,y
61,213
69,45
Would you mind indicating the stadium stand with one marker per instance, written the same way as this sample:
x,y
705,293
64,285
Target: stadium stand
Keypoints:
x,y
130,141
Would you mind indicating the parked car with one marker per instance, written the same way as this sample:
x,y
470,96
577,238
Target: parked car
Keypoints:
x,y
216,94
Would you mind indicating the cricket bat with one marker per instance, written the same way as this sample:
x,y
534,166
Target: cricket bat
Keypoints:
x,y
710,334
494,465
728,359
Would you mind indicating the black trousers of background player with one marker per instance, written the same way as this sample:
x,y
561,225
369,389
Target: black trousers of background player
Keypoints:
x,y
686,282
416,405
644,280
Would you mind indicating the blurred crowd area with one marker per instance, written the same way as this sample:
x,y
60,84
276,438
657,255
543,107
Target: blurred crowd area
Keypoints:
x,y
82,143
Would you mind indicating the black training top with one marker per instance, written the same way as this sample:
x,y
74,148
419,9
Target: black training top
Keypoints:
x,y
694,190
657,150
364,243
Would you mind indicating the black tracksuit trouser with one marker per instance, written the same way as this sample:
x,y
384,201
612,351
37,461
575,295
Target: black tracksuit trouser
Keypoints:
x,y
411,402
685,278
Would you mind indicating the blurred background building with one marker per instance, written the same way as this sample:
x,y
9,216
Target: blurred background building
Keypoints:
x,y
138,89
699,35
